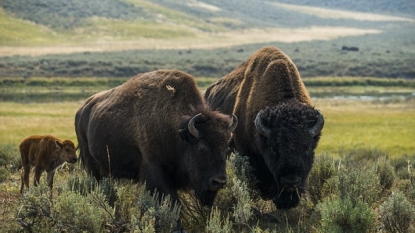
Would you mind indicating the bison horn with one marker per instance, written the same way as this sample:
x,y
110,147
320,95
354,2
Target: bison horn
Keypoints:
x,y
317,127
265,131
232,127
191,126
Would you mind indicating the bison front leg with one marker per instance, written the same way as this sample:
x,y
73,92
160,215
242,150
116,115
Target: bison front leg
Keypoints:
x,y
50,176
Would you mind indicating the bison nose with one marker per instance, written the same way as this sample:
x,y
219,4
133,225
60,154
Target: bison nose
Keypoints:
x,y
73,160
217,182
293,181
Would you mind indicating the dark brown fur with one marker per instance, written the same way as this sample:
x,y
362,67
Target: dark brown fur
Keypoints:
x,y
44,153
139,131
269,83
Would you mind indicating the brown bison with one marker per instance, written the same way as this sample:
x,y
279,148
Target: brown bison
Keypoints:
x,y
44,153
278,127
156,128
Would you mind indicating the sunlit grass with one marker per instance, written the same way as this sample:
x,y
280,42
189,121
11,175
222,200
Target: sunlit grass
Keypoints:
x,y
15,31
19,120
349,124
103,28
386,126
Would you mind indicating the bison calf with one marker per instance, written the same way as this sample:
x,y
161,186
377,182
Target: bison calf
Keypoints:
x,y
45,153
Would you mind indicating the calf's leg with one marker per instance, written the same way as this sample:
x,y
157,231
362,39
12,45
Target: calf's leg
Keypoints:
x,y
25,178
50,179
38,172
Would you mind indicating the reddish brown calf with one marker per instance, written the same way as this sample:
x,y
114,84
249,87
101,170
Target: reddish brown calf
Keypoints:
x,y
44,153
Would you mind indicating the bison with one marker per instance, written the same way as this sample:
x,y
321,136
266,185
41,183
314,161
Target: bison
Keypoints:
x,y
278,126
44,153
156,128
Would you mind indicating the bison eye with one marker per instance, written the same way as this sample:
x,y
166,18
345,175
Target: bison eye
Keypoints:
x,y
201,149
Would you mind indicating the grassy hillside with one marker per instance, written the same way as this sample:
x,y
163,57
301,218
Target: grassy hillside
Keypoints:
x,y
391,55
205,38
398,7
46,22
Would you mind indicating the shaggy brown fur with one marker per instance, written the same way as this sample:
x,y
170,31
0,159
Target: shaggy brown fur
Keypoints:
x,y
268,83
140,130
44,153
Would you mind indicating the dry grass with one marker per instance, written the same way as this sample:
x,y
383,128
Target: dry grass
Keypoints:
x,y
202,40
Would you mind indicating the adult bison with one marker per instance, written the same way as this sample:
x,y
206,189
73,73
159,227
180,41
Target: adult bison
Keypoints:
x,y
156,128
44,153
278,127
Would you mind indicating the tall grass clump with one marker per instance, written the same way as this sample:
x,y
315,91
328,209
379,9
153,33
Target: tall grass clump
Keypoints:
x,y
397,213
34,213
73,212
90,206
323,169
350,205
386,173
153,214
345,215
217,223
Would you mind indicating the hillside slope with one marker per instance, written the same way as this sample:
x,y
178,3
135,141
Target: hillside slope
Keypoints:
x,y
205,38
93,23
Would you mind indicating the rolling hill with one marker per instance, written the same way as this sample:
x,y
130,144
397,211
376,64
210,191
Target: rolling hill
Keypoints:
x,y
140,35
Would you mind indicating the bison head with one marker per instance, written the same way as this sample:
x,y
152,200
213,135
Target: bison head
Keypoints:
x,y
287,136
65,150
207,136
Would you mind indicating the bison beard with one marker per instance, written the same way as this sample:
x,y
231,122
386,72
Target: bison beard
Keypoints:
x,y
288,136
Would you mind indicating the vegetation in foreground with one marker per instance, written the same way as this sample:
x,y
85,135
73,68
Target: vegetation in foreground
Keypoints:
x,y
362,179
364,191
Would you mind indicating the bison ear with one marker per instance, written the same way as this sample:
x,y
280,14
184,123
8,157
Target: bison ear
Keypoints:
x,y
58,143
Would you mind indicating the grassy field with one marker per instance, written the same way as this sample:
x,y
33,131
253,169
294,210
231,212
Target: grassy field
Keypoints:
x,y
377,125
351,122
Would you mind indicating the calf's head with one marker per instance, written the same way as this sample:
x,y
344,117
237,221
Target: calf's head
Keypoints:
x,y
65,150
287,137
207,137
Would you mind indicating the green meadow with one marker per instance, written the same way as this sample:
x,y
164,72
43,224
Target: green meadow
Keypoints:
x,y
379,115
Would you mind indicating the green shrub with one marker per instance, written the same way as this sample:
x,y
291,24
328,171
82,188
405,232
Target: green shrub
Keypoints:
x,y
242,210
34,211
404,166
362,155
73,212
10,157
386,173
84,184
85,206
4,174
345,215
359,183
217,223
408,188
323,169
151,214
397,213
